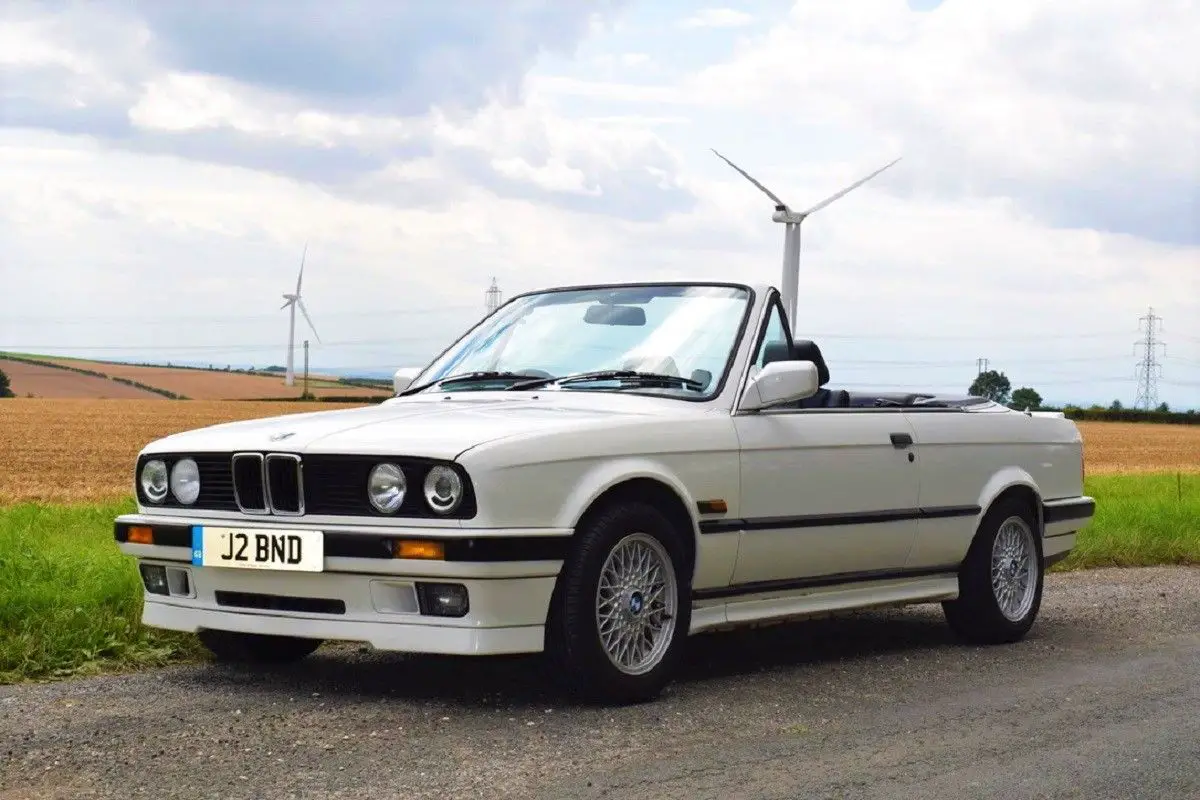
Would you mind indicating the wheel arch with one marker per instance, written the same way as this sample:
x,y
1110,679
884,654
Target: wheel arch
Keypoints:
x,y
659,492
1013,482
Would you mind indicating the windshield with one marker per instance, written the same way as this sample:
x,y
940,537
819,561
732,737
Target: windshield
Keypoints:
x,y
684,331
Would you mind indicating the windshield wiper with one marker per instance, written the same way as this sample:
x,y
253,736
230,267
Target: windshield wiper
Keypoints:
x,y
611,374
466,377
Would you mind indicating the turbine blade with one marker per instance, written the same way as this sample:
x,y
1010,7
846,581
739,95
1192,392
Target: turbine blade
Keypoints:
x,y
286,303
748,177
304,311
847,190
300,277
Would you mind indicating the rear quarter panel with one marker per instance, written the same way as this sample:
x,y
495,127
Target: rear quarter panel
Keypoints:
x,y
967,458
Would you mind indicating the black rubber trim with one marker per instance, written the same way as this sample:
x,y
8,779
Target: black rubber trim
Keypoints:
x,y
373,545
827,520
1050,561
791,584
1061,512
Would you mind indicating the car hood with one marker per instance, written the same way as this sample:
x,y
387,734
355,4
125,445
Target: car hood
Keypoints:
x,y
441,426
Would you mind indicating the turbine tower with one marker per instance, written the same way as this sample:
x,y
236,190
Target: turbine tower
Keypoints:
x,y
789,287
294,300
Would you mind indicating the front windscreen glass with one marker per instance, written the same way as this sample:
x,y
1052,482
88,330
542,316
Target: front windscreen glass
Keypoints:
x,y
672,339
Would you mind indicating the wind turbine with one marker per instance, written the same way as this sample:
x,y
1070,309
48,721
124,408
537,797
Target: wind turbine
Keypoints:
x,y
791,220
294,300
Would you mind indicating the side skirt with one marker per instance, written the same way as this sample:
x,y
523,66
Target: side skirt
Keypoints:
x,y
736,606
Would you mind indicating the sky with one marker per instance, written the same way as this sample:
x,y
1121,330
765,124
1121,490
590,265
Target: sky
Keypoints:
x,y
163,167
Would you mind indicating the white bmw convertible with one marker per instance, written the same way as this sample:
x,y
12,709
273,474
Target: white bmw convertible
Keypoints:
x,y
597,473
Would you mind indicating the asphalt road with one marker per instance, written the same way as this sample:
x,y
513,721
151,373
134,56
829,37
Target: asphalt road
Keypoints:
x,y
1102,700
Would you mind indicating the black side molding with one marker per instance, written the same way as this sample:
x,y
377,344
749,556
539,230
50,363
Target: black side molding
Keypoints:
x,y
826,520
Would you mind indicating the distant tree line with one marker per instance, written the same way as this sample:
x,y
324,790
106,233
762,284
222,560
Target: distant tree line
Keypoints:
x,y
995,386
91,372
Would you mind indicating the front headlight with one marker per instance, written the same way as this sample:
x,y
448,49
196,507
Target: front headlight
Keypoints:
x,y
185,481
386,488
154,480
443,489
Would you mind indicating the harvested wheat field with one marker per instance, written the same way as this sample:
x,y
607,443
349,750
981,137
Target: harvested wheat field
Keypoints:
x,y
200,384
34,379
65,451
83,450
1116,447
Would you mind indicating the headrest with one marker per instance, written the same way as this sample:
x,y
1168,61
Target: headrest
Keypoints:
x,y
805,350
776,351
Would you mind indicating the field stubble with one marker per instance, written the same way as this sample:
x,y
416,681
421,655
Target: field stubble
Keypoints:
x,y
82,450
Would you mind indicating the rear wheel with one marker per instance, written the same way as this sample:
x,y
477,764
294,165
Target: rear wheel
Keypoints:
x,y
621,612
256,648
1001,579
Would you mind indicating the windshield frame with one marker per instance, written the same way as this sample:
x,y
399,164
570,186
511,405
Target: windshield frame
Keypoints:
x,y
718,388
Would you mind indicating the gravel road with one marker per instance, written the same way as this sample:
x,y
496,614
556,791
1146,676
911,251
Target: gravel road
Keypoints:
x,y
1102,700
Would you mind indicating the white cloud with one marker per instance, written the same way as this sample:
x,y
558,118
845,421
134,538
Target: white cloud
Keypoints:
x,y
718,18
1032,99
1022,127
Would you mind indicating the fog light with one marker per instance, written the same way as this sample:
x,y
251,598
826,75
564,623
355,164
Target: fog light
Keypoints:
x,y
154,577
443,599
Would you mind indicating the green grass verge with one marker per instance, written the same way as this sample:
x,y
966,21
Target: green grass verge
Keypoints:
x,y
1141,520
71,602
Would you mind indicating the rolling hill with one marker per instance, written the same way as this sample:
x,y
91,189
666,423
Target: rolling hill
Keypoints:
x,y
60,377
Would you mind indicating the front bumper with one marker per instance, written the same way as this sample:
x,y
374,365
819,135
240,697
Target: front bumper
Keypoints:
x,y
361,594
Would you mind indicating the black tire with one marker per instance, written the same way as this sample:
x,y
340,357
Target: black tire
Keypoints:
x,y
573,640
976,616
256,648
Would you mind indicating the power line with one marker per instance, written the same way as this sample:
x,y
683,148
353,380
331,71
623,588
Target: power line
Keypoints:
x,y
1149,368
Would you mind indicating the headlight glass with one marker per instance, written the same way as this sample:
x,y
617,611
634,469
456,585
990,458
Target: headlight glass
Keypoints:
x,y
154,480
443,489
386,487
185,481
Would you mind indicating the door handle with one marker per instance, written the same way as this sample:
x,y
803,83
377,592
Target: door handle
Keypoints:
x,y
901,440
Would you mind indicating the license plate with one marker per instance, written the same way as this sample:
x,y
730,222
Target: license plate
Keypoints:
x,y
256,548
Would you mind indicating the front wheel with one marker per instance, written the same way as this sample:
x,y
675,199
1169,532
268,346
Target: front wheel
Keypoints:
x,y
1000,581
622,610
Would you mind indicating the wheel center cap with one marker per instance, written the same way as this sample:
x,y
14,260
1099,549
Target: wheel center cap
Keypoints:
x,y
636,603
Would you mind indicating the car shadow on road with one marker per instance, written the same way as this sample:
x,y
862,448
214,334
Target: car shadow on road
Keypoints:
x,y
350,672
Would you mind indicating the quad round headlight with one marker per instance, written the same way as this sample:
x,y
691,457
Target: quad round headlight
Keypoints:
x,y
443,489
185,481
386,487
154,480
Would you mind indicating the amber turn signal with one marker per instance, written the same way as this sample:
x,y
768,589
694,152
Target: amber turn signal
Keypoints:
x,y
140,534
415,548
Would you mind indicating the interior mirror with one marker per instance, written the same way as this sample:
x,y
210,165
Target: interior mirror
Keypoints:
x,y
781,382
603,314
404,378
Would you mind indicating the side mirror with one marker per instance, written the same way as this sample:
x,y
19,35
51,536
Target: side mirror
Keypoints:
x,y
781,382
404,378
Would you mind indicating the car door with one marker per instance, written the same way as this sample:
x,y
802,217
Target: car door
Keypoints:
x,y
824,491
